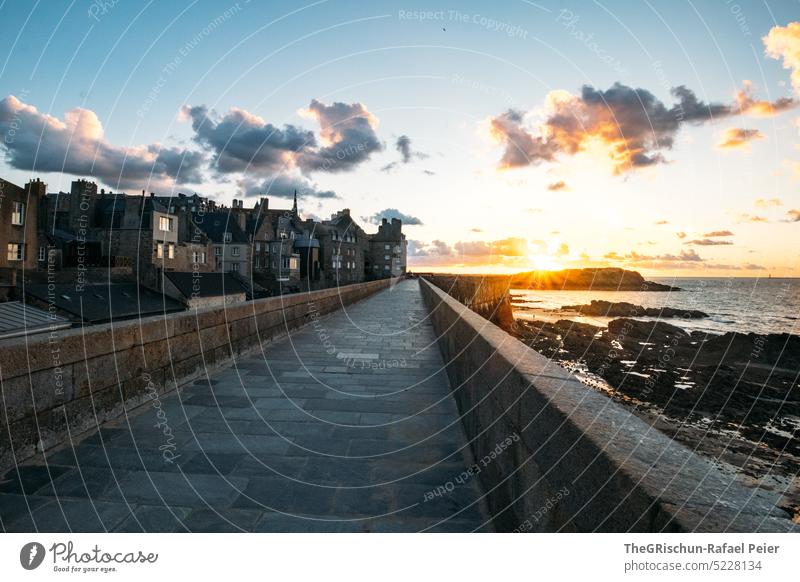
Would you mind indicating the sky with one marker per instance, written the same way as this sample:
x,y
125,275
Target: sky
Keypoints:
x,y
509,136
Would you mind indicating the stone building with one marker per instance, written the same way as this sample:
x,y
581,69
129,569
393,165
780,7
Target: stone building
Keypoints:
x,y
387,251
342,249
229,241
19,217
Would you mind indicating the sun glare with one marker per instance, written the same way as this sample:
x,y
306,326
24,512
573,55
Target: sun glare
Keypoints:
x,y
539,262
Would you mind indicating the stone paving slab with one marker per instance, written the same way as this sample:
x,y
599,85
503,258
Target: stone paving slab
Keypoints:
x,y
347,425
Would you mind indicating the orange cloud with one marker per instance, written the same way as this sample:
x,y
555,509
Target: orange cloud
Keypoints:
x,y
631,124
556,186
759,108
737,138
768,202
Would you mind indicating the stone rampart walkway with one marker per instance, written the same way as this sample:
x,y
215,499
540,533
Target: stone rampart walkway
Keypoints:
x,y
347,425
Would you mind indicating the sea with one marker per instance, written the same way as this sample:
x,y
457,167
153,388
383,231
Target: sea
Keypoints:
x,y
743,305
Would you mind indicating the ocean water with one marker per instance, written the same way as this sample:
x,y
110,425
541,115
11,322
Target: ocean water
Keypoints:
x,y
734,304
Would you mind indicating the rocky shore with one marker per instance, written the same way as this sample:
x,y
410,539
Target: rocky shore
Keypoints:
x,y
623,309
733,396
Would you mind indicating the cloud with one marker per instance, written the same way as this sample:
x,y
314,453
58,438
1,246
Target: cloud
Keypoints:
x,y
714,233
507,247
282,186
434,252
766,203
756,108
390,213
429,173
632,124
476,230
783,42
794,216
347,132
37,142
556,186
737,138
744,217
509,251
708,242
680,234
403,145
562,250
242,141
684,257
661,222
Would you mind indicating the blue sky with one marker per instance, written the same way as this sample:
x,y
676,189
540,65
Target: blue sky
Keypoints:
x,y
440,81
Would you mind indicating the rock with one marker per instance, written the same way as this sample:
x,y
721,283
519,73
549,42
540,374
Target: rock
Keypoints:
x,y
651,331
624,309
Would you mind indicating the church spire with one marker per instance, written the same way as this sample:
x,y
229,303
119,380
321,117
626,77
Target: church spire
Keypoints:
x,y
294,206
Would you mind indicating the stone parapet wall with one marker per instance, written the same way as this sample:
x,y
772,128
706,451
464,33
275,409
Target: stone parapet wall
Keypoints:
x,y
57,385
487,295
555,455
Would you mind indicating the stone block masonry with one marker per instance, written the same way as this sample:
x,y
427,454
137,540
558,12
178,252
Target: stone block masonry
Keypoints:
x,y
486,295
583,463
58,385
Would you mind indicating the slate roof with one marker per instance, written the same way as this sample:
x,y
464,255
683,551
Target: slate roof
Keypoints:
x,y
215,224
17,318
205,284
100,303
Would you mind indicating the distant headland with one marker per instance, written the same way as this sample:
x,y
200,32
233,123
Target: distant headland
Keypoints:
x,y
599,279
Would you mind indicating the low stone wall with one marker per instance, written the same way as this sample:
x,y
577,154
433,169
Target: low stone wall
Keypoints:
x,y
555,455
57,385
486,295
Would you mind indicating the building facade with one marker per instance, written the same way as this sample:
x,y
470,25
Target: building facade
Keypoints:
x,y
387,251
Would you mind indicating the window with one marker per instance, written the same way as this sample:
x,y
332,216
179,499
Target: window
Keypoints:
x,y
165,223
16,251
18,214
227,237
198,257
42,253
170,251
386,267
217,251
258,246
235,251
387,247
235,267
160,250
386,257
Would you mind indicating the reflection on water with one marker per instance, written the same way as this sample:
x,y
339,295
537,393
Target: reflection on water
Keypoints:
x,y
744,305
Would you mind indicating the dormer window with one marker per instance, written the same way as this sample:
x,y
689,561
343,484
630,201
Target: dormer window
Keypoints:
x,y
227,237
